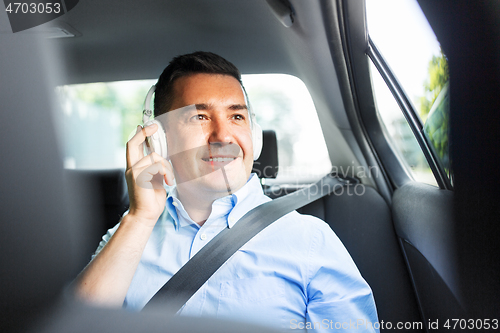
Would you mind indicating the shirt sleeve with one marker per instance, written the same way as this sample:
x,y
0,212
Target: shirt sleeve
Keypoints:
x,y
338,297
105,240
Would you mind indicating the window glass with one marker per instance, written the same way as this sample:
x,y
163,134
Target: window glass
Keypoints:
x,y
403,141
437,131
98,118
283,103
402,34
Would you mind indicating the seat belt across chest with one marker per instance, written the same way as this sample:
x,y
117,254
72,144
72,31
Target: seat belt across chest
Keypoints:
x,y
190,277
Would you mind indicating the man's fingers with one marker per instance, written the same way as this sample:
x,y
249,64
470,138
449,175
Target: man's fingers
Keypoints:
x,y
141,134
135,151
153,176
143,172
150,159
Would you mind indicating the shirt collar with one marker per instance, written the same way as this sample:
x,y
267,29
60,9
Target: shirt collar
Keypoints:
x,y
245,199
230,206
172,202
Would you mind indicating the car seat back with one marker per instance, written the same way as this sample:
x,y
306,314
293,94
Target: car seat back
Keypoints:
x,y
38,247
362,220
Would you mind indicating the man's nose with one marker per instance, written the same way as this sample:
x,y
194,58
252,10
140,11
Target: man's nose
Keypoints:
x,y
220,131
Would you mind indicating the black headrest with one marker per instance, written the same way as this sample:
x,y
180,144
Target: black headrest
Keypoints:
x,y
267,165
111,183
102,193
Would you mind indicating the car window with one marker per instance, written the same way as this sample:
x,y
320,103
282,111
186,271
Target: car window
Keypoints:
x,y
402,35
402,139
283,103
98,119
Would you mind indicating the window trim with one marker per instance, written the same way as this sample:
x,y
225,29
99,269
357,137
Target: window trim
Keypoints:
x,y
337,28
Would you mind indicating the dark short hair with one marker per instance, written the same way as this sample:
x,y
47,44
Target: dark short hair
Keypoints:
x,y
189,64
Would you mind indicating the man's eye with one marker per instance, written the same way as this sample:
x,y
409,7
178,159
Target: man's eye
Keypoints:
x,y
239,117
198,117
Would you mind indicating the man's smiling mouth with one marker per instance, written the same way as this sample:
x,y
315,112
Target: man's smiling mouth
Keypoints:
x,y
220,154
219,159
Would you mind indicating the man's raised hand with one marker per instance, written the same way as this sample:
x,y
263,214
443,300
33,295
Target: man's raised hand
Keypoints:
x,y
145,175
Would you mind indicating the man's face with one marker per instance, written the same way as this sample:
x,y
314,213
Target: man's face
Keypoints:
x,y
210,146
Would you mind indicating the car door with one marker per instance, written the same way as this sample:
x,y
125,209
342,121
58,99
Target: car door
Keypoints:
x,y
470,36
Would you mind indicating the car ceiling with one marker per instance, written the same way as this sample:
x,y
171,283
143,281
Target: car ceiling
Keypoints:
x,y
136,39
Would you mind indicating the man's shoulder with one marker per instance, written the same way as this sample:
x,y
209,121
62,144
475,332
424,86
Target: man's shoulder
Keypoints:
x,y
300,221
302,227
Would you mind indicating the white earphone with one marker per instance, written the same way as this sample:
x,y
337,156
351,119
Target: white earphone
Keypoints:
x,y
158,141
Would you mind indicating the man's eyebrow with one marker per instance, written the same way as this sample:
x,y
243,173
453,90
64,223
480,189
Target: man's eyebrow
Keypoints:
x,y
238,107
204,106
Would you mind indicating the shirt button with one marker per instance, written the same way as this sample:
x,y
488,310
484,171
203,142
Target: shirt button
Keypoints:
x,y
231,219
203,236
175,204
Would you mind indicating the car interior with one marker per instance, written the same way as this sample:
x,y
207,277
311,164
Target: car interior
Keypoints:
x,y
429,252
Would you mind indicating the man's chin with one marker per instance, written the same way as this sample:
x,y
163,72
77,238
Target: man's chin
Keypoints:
x,y
224,181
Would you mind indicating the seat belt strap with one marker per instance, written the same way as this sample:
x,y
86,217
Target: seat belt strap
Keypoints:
x,y
190,277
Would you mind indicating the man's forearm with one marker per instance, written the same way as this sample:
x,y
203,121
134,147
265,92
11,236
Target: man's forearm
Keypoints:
x,y
106,279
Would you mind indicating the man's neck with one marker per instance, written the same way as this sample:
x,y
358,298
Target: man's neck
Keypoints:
x,y
198,204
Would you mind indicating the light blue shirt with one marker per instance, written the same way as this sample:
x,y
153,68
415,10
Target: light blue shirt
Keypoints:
x,y
294,274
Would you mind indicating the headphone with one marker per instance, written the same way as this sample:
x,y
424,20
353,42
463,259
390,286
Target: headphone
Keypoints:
x,y
158,141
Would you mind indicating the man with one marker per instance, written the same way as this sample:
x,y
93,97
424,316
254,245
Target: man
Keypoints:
x,y
293,274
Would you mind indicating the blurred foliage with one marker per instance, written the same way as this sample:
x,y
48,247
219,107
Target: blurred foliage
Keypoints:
x,y
435,108
110,97
101,94
438,77
437,130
